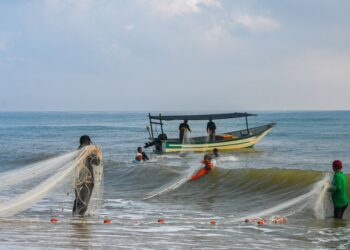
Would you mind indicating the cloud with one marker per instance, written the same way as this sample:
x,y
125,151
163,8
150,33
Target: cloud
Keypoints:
x,y
129,27
323,68
5,39
257,23
215,33
226,27
80,6
74,11
172,8
3,45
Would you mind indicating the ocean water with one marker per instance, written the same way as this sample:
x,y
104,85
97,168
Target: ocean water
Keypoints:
x,y
281,169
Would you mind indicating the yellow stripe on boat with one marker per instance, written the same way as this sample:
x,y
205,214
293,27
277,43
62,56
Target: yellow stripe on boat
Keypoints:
x,y
234,144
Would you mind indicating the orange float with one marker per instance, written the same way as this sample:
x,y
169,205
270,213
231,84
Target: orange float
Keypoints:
x,y
279,220
54,220
161,221
261,222
107,221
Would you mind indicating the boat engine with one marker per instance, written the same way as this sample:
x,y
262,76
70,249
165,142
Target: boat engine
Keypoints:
x,y
156,142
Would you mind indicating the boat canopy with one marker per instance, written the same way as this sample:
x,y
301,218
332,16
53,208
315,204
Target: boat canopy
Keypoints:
x,y
199,117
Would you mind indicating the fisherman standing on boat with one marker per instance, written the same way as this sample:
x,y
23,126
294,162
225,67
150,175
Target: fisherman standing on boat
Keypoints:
x,y
211,127
339,190
183,128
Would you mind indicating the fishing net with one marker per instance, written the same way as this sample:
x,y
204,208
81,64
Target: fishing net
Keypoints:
x,y
88,182
22,191
316,200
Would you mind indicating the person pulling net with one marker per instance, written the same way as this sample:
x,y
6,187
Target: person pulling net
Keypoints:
x,y
88,178
209,164
82,168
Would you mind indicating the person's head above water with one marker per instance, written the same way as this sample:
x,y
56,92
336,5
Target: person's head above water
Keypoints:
x,y
85,140
185,121
210,119
215,151
337,165
139,150
207,157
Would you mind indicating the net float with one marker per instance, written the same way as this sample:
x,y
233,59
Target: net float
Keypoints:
x,y
261,222
54,220
107,221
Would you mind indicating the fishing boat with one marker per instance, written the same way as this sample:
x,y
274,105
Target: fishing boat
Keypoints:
x,y
234,140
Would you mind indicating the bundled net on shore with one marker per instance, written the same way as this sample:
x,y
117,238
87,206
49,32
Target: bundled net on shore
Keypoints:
x,y
68,169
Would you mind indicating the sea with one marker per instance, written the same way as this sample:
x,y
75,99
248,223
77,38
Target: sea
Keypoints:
x,y
154,205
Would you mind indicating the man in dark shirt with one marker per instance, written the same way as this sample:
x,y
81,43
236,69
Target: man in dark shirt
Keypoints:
x,y
183,128
211,127
141,156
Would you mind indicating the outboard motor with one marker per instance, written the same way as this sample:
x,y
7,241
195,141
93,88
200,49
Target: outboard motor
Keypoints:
x,y
149,144
162,137
157,142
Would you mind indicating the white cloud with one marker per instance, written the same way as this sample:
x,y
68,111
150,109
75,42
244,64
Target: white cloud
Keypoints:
x,y
5,39
257,23
224,27
77,11
172,8
323,68
129,27
215,33
3,45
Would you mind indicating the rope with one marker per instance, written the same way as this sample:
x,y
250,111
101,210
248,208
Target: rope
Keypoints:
x,y
286,136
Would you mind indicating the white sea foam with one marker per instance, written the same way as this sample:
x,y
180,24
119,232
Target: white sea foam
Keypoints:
x,y
228,158
168,156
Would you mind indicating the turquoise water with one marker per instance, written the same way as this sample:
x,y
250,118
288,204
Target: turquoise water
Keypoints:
x,y
283,166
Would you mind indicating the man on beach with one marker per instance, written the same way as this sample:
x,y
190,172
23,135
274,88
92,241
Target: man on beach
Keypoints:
x,y
339,190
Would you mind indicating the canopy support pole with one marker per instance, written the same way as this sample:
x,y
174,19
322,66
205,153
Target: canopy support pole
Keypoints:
x,y
246,122
150,122
161,123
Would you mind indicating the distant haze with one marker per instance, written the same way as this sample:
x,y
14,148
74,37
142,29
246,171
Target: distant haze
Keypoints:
x,y
174,55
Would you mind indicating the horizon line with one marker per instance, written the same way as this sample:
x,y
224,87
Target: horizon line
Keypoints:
x,y
157,111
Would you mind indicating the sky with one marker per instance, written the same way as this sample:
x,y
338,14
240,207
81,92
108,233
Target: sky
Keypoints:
x,y
197,55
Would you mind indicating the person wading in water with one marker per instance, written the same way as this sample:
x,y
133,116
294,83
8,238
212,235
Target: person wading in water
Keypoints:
x,y
141,156
209,164
84,182
339,190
